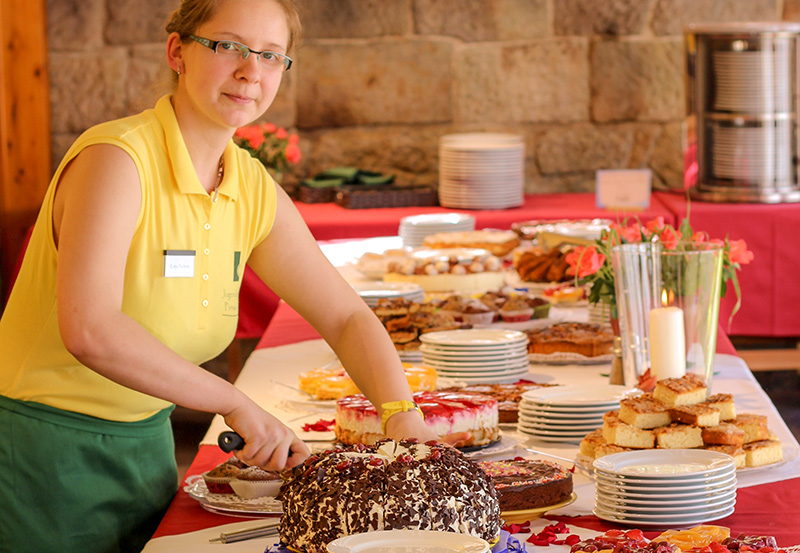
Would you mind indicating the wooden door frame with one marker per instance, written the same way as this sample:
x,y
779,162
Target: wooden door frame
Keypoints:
x,y
25,164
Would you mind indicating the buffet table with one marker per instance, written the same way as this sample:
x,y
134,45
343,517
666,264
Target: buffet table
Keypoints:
x,y
328,221
766,502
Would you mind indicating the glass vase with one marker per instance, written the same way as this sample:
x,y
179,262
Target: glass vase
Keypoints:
x,y
647,278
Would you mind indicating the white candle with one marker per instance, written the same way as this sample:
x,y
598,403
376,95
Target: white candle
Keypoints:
x,y
667,343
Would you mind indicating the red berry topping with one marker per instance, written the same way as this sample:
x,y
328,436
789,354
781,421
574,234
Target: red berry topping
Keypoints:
x,y
341,465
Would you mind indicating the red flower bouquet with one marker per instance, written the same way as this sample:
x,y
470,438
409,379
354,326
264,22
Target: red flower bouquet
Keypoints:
x,y
273,146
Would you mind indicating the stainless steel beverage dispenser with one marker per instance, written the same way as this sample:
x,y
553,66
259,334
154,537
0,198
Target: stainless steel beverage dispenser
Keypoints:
x,y
741,141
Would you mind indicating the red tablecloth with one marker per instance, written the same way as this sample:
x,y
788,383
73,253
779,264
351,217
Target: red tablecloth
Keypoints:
x,y
769,283
329,221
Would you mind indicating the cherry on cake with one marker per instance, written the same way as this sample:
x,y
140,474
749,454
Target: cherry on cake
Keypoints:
x,y
528,484
387,486
357,420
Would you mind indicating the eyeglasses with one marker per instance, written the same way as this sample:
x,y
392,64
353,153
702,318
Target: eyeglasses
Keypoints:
x,y
230,48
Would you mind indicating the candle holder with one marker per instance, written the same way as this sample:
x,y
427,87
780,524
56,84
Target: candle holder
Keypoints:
x,y
648,278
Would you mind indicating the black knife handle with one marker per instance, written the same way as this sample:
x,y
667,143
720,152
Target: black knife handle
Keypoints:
x,y
230,441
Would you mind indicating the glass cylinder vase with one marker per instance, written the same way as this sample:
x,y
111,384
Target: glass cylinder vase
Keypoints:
x,y
649,278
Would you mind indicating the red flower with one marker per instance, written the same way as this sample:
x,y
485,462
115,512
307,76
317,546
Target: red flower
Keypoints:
x,y
268,128
252,134
655,225
669,238
281,133
586,261
739,252
292,152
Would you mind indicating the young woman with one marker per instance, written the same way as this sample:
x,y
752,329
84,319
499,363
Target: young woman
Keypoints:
x,y
126,285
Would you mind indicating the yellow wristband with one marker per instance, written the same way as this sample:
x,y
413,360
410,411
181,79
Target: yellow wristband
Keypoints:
x,y
391,408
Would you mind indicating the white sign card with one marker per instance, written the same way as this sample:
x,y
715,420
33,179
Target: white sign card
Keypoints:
x,y
623,188
179,263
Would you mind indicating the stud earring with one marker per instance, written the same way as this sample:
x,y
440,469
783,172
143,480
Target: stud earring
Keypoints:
x,y
178,71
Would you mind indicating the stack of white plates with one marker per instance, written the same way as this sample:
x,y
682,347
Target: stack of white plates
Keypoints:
x,y
481,170
371,292
665,487
415,228
567,413
484,355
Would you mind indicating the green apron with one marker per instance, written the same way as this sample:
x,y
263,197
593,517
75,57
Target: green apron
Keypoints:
x,y
71,483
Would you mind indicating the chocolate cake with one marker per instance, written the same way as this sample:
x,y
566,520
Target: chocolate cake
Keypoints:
x,y
391,485
528,484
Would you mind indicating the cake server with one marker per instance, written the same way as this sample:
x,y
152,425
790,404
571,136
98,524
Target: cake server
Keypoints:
x,y
269,529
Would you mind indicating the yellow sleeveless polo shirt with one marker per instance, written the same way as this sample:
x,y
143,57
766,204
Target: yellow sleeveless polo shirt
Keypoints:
x,y
180,232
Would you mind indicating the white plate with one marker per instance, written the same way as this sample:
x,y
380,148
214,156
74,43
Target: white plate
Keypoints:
x,y
663,521
708,499
666,488
584,428
626,479
475,337
585,395
441,219
504,445
578,411
460,354
553,439
667,492
563,418
663,463
468,364
408,541
726,500
230,503
680,484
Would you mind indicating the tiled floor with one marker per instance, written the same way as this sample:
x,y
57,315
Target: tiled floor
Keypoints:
x,y
189,427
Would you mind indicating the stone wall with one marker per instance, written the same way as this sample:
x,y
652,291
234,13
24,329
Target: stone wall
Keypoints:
x,y
591,84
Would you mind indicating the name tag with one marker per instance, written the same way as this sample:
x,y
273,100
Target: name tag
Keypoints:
x,y
178,263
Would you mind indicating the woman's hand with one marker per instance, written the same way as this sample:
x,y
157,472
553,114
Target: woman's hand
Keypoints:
x,y
269,443
410,424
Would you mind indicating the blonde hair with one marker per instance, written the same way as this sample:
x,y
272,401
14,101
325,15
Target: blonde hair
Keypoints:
x,y
193,13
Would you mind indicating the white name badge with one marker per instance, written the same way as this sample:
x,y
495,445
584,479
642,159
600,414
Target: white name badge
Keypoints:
x,y
178,263
624,188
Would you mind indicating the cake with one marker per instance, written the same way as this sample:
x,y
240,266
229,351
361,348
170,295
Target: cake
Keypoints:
x,y
507,395
326,383
609,449
528,484
679,436
735,451
391,485
697,414
218,479
516,309
254,482
475,312
622,434
357,420
723,434
591,442
686,390
497,242
763,452
585,339
754,427
724,404
644,411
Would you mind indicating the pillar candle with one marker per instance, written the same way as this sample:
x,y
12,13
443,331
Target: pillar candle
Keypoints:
x,y
667,343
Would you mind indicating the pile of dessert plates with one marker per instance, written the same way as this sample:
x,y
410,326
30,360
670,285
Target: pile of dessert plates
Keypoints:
x,y
481,170
568,413
665,487
415,228
477,355
371,292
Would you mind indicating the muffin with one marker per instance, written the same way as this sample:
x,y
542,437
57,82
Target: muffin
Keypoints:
x,y
219,478
255,482
476,313
541,307
452,306
516,310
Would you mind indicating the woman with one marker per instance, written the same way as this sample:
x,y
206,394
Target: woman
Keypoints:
x,y
124,290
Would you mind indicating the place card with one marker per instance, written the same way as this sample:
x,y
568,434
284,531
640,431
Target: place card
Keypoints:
x,y
623,188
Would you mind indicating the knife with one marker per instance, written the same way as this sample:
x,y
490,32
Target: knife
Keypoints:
x,y
229,441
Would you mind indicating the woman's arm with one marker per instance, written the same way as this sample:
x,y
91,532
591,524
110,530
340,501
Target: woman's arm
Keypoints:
x,y
291,263
96,208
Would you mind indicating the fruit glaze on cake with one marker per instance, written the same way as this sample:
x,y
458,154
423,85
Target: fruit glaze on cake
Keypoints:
x,y
357,420
528,484
391,485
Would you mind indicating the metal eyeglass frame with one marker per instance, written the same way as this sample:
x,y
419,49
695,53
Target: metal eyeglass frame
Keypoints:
x,y
244,50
